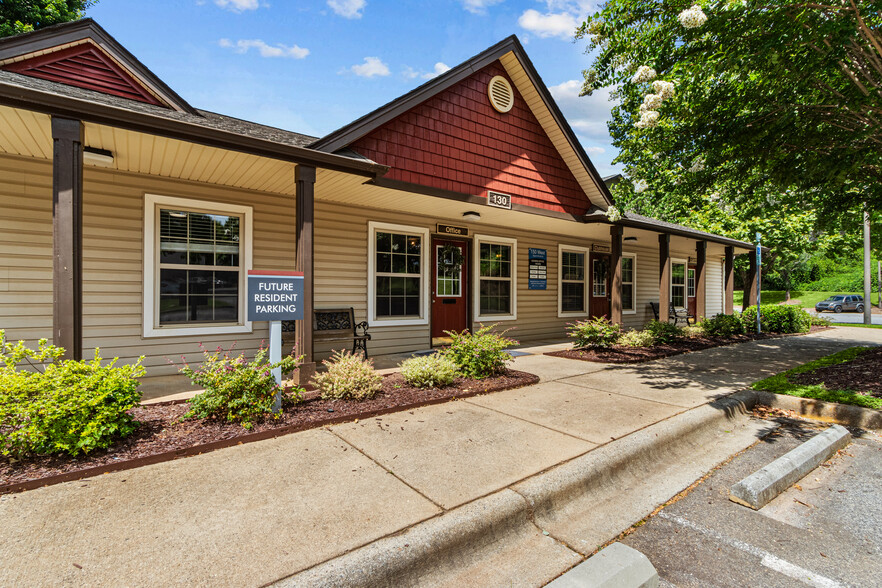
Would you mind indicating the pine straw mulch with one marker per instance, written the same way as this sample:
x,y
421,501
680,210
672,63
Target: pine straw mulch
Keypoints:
x,y
164,436
863,374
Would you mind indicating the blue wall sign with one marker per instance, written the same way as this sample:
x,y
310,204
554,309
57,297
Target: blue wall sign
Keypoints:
x,y
538,265
275,296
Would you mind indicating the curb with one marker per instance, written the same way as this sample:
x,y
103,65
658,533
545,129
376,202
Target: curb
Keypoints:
x,y
615,566
762,486
821,410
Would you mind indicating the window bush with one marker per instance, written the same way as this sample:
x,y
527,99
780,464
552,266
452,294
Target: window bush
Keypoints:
x,y
430,371
348,376
722,325
480,354
663,331
596,332
637,339
777,319
238,390
63,406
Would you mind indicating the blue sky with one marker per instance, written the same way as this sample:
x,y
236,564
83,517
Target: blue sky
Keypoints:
x,y
313,66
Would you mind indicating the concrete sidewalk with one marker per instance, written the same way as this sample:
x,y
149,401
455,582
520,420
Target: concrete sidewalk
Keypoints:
x,y
257,513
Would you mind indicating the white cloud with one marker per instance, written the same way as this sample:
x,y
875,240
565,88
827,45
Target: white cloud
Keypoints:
x,y
594,150
371,67
348,8
440,68
560,24
588,116
265,50
238,5
478,6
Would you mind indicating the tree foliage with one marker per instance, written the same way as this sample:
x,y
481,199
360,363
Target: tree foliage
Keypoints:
x,y
23,16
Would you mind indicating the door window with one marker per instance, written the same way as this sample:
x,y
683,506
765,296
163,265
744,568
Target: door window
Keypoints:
x,y
448,275
600,274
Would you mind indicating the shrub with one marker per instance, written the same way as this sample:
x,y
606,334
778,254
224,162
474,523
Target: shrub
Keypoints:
x,y
637,339
348,376
63,406
663,331
820,321
596,332
691,331
429,371
722,325
777,319
480,354
238,390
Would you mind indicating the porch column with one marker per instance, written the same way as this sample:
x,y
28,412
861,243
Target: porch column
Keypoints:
x,y
750,283
67,236
729,281
304,177
615,306
664,277
700,274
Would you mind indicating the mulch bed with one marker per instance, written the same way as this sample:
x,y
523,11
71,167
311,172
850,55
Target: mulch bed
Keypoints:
x,y
862,374
625,354
162,436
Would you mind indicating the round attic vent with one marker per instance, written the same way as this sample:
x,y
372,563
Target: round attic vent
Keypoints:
x,y
500,93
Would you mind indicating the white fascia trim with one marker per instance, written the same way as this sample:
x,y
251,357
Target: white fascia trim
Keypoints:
x,y
423,232
151,267
634,281
561,247
476,273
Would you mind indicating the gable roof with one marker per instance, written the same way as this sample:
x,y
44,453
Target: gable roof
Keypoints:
x,y
502,51
69,52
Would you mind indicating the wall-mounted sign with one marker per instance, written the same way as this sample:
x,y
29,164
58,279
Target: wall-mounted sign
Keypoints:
x,y
275,296
600,248
451,230
538,278
499,200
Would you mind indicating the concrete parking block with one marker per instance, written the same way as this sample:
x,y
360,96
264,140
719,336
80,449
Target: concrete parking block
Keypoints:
x,y
456,452
589,414
615,566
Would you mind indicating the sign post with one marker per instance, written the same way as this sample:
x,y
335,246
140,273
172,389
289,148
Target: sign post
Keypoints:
x,y
759,290
275,297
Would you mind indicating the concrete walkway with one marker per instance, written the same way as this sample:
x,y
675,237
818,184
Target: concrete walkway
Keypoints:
x,y
256,513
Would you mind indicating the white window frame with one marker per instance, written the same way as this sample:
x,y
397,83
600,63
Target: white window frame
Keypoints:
x,y
633,257
476,274
694,282
561,248
152,204
684,262
425,248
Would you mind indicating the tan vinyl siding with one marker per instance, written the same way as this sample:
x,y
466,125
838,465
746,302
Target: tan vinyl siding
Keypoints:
x,y
714,288
647,287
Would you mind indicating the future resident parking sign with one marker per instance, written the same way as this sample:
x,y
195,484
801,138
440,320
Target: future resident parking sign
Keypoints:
x,y
275,296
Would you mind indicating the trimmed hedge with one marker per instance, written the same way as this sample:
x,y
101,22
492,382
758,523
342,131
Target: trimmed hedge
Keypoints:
x,y
777,319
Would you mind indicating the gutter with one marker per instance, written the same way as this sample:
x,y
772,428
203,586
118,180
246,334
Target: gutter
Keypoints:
x,y
684,232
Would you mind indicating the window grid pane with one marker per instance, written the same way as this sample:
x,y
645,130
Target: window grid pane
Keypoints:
x,y
447,281
397,274
627,283
495,283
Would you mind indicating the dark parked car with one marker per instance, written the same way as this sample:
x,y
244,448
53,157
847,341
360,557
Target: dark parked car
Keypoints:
x,y
841,302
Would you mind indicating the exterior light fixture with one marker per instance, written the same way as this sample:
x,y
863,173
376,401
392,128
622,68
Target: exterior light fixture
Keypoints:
x,y
99,157
629,239
471,215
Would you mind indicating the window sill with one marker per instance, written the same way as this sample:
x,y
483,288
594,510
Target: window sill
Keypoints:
x,y
413,322
495,317
150,332
563,314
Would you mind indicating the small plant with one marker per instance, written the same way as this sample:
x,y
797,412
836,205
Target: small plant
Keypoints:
x,y
238,390
348,376
722,325
820,321
664,332
596,332
691,331
63,406
480,354
430,371
637,339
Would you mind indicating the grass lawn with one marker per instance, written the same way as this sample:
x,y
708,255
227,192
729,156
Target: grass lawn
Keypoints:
x,y
780,384
806,299
860,326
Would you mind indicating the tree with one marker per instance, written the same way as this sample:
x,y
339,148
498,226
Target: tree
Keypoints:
x,y
22,16
745,95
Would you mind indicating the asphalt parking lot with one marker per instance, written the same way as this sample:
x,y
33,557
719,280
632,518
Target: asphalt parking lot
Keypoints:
x,y
826,530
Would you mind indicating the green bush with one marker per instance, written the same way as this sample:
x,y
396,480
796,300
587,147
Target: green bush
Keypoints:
x,y
480,354
637,339
663,331
429,371
777,319
820,321
63,406
348,376
722,325
595,332
237,390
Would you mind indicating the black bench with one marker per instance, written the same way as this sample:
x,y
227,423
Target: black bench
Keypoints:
x,y
675,314
335,324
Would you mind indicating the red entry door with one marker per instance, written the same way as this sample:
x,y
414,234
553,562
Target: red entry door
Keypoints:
x,y
449,287
600,294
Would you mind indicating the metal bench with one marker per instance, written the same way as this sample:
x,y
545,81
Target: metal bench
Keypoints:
x,y
675,314
335,324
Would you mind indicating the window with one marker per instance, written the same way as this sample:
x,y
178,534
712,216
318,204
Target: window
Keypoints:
x,y
496,281
573,283
398,274
629,287
690,282
600,269
196,256
448,279
678,284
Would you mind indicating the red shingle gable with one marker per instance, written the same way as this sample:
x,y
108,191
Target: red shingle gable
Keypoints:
x,y
456,141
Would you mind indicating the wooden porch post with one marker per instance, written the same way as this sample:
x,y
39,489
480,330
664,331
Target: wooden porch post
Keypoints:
x,y
615,307
729,281
750,283
304,177
67,236
664,277
700,275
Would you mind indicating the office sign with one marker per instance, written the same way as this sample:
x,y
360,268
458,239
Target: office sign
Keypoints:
x,y
275,296
499,200
597,248
538,265
451,230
